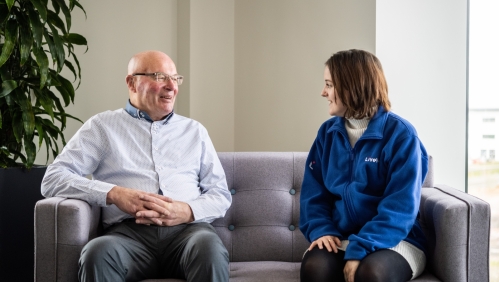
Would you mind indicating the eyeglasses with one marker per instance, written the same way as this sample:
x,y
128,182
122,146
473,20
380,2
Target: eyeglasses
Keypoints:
x,y
162,77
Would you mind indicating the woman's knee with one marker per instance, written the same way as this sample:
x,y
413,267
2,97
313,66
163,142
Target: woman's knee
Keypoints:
x,y
322,265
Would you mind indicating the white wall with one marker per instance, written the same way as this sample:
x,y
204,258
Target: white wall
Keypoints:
x,y
422,46
281,47
206,53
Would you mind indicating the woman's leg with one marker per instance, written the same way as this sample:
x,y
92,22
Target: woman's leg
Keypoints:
x,y
383,266
320,265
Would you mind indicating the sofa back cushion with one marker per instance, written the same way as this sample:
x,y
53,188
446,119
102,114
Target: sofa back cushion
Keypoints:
x,y
262,223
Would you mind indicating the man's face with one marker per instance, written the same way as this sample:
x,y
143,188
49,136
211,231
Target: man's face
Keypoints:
x,y
156,98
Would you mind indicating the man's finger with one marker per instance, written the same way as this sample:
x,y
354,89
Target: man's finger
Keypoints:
x,y
148,214
157,208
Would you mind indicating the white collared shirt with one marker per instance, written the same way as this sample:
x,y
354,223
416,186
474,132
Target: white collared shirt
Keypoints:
x,y
119,150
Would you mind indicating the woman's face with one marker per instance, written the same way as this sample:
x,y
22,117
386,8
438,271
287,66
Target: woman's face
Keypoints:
x,y
336,107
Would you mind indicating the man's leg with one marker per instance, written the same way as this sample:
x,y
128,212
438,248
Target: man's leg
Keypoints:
x,y
117,256
196,254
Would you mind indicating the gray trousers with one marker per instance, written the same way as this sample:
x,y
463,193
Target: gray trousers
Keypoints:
x,y
135,252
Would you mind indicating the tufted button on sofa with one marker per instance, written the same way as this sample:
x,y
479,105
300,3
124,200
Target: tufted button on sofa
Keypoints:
x,y
260,230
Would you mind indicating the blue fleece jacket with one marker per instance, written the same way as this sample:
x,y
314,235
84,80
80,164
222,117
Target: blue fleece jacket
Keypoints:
x,y
368,194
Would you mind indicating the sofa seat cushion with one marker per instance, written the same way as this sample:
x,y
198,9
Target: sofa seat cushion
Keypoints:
x,y
271,271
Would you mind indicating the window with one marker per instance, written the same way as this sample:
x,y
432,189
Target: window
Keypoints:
x,y
483,105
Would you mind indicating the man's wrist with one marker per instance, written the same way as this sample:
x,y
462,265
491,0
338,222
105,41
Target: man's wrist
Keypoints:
x,y
110,195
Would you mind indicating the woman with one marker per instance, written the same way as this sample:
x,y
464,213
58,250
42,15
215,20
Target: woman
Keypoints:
x,y
362,185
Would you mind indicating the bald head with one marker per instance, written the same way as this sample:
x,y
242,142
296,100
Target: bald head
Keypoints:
x,y
150,61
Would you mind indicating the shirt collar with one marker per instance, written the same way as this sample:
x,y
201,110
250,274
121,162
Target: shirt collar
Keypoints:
x,y
138,114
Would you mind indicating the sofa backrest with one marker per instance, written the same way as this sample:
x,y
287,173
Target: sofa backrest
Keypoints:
x,y
262,223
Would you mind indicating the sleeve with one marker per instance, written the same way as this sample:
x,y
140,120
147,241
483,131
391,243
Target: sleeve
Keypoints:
x,y
398,209
67,175
316,202
215,198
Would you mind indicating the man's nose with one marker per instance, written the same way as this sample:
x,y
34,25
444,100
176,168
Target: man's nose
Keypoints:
x,y
170,84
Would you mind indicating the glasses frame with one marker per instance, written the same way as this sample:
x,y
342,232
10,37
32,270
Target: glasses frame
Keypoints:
x,y
178,79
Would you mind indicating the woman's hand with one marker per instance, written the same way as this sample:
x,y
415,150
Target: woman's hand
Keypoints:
x,y
330,242
350,269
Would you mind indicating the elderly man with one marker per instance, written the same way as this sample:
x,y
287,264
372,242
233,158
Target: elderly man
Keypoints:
x,y
158,178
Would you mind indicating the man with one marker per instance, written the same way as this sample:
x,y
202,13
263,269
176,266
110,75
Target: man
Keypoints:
x,y
158,178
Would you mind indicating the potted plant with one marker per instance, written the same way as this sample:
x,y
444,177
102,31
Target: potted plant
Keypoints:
x,y
36,46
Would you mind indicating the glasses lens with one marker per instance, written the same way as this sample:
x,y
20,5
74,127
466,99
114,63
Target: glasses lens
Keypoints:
x,y
180,79
160,77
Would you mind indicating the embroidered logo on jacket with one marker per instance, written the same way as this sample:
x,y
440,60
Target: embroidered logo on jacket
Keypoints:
x,y
310,165
371,160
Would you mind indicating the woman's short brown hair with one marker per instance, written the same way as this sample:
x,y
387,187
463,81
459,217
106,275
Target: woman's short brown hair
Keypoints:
x,y
359,82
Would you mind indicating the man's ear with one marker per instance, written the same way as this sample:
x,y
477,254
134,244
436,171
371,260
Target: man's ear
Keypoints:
x,y
130,82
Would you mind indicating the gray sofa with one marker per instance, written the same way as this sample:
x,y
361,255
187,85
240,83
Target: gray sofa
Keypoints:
x,y
260,230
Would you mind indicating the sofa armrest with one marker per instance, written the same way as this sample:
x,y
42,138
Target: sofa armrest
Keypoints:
x,y
62,228
457,226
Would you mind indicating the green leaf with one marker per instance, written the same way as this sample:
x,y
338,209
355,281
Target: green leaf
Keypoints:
x,y
50,43
75,38
68,115
9,100
4,13
36,26
59,47
27,113
51,129
7,87
56,21
11,31
59,107
10,3
26,42
76,3
43,63
71,68
41,8
61,88
46,102
79,69
68,86
52,78
17,126
56,7
30,150
40,131
65,11
48,144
